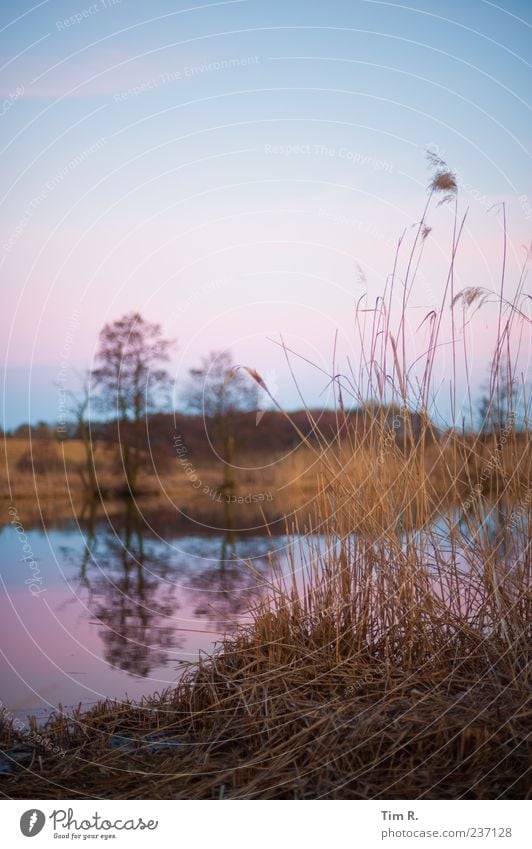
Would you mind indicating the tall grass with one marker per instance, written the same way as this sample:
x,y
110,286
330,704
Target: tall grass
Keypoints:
x,y
391,657
427,532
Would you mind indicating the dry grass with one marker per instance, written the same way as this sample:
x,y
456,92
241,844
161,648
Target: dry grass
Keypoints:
x,y
384,662
453,466
289,717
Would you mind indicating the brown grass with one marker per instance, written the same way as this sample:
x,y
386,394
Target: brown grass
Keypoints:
x,y
288,716
384,662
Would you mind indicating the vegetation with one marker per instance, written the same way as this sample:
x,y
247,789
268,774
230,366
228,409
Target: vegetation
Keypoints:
x,y
391,656
129,381
216,392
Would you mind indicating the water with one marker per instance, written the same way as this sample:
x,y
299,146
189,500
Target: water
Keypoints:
x,y
113,606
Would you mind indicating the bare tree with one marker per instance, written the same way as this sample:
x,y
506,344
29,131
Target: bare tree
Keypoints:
x,y
79,408
131,382
217,391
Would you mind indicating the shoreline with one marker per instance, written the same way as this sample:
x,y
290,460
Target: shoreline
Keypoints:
x,y
297,718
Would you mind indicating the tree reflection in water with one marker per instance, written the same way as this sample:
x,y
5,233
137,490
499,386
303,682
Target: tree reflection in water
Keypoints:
x,y
129,603
227,589
133,584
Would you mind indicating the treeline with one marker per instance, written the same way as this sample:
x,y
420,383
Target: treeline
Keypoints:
x,y
265,432
225,412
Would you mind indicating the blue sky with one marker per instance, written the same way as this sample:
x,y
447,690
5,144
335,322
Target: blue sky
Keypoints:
x,y
227,169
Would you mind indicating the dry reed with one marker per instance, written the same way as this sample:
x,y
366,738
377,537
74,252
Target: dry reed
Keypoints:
x,y
391,658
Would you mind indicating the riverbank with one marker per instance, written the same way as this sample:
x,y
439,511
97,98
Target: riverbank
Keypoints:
x,y
269,490
294,718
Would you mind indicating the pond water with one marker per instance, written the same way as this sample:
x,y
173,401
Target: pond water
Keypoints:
x,y
111,607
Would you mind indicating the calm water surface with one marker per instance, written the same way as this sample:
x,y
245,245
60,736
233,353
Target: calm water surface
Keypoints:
x,y
118,603
117,606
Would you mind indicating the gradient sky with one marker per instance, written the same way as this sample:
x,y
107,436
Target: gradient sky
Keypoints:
x,y
228,168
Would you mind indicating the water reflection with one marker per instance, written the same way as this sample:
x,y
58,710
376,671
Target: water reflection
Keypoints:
x,y
489,526
130,595
146,592
127,601
226,589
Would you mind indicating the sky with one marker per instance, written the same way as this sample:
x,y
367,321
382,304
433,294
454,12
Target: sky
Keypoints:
x,y
240,172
